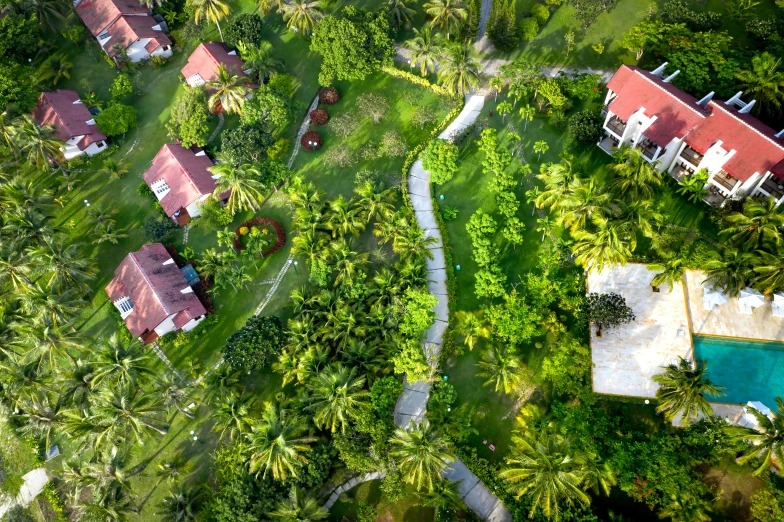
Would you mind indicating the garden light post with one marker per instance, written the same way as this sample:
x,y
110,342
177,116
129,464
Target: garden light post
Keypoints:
x,y
312,146
295,268
410,67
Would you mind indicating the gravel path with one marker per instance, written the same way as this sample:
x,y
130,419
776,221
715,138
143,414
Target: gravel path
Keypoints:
x,y
482,42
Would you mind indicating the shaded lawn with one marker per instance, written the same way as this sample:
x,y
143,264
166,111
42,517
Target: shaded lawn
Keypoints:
x,y
405,509
735,485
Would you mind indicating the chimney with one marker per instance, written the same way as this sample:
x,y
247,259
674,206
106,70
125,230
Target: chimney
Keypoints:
x,y
670,77
708,97
735,100
747,108
659,70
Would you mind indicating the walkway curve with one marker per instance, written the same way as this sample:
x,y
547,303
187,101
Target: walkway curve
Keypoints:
x,y
412,404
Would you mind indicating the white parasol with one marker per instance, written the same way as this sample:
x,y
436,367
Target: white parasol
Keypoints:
x,y
778,304
749,300
712,297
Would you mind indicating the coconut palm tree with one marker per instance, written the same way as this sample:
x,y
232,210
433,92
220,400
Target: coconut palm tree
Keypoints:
x,y
338,395
108,232
36,144
243,183
212,10
260,59
298,507
730,272
40,417
48,342
449,15
181,505
425,48
401,12
671,273
220,382
174,393
421,454
443,498
636,178
767,442
501,367
540,147
682,390
558,179
374,203
7,133
640,215
121,364
230,91
55,68
75,385
128,412
49,305
277,443
459,71
583,201
546,468
693,186
611,242
472,327
760,221
232,414
15,267
770,272
302,15
764,82
687,509
114,168
61,264
527,114
345,261
113,506
343,219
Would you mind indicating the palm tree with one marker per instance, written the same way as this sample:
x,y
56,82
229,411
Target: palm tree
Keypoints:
x,y
425,48
373,203
61,264
527,114
173,470
108,232
730,272
764,82
15,267
345,261
501,366
260,59
121,364
302,15
49,305
767,442
459,71
212,10
220,382
75,385
640,215
610,243
682,390
173,393
583,202
114,168
693,187
243,183
36,143
128,411
277,443
447,14
181,505
337,397
636,178
443,497
400,12
421,453
21,378
232,414
540,147
471,326
760,221
343,219
298,507
671,273
545,467
55,68
48,342
40,417
230,91
770,272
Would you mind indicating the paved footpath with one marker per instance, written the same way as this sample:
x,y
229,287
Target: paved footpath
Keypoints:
x,y
33,483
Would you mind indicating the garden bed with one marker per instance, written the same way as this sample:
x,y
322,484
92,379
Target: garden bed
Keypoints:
x,y
258,222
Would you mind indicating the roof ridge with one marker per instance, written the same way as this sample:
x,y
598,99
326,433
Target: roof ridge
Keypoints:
x,y
640,72
184,170
752,127
147,280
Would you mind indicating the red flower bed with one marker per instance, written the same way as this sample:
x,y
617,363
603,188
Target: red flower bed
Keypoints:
x,y
328,95
319,116
309,137
259,221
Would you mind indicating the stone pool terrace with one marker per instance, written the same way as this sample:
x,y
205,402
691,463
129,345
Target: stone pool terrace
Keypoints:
x,y
726,320
625,358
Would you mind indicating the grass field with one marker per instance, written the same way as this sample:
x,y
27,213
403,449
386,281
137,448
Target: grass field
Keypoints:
x,y
403,510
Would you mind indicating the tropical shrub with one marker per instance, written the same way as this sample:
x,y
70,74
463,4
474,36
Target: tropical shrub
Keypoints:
x,y
384,394
255,345
440,159
319,116
247,143
158,229
586,126
311,140
541,13
328,95
245,27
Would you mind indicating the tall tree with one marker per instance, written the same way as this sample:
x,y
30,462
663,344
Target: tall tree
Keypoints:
x,y
338,395
302,15
278,444
759,222
401,12
212,10
425,49
501,367
764,82
298,507
767,442
459,71
449,15
229,91
636,178
243,183
682,390
422,454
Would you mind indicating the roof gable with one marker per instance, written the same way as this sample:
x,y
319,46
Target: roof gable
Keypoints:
x,y
129,29
61,110
97,15
205,59
185,173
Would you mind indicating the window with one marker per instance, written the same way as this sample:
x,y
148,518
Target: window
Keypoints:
x,y
196,80
124,305
160,187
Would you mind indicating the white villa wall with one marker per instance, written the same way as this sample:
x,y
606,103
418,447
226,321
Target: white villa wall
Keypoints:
x,y
193,209
94,148
70,150
667,156
166,326
137,52
190,325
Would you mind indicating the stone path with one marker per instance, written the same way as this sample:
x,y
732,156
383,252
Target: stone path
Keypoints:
x,y
333,497
302,129
275,285
221,121
482,42
34,483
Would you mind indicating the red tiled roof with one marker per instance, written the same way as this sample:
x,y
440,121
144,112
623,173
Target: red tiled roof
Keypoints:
x,y
205,59
97,15
756,147
129,29
158,41
154,289
185,173
677,111
59,109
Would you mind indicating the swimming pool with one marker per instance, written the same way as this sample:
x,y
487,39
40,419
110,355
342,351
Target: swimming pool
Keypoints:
x,y
749,370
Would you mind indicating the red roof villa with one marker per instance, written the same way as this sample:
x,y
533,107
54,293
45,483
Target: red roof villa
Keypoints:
x,y
683,134
75,125
125,22
153,296
202,65
180,180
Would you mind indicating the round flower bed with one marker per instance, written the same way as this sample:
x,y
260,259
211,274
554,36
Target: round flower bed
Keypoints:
x,y
328,95
260,225
311,140
319,116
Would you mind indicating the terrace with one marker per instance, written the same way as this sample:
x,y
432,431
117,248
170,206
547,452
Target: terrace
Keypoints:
x,y
616,125
679,172
772,186
724,181
691,155
648,148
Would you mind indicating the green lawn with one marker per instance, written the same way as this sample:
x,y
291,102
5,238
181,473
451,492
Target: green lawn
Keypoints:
x,y
405,509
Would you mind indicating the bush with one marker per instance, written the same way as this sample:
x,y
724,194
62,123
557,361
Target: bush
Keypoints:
x,y
319,116
761,28
213,215
246,144
18,514
384,394
541,13
144,190
279,149
392,145
678,12
440,159
121,87
529,28
243,28
310,137
255,345
116,119
328,95
344,124
341,157
449,213
157,229
586,126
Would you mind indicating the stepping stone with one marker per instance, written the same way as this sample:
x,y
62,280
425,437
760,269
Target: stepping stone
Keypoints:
x,y
435,334
411,403
442,308
418,171
432,352
418,186
500,514
418,386
437,276
437,262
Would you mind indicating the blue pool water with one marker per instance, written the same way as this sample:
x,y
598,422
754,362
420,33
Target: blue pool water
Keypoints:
x,y
748,370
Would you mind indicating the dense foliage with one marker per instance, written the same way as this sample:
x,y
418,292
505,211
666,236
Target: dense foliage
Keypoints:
x,y
255,345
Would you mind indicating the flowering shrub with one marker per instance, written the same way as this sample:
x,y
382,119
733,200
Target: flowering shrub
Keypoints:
x,y
328,96
319,116
243,231
311,140
254,224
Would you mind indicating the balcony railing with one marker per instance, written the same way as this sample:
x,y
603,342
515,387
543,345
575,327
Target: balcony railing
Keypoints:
x,y
726,181
692,156
774,187
617,125
648,148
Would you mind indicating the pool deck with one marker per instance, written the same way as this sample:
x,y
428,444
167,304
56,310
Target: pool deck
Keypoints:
x,y
625,358
726,320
